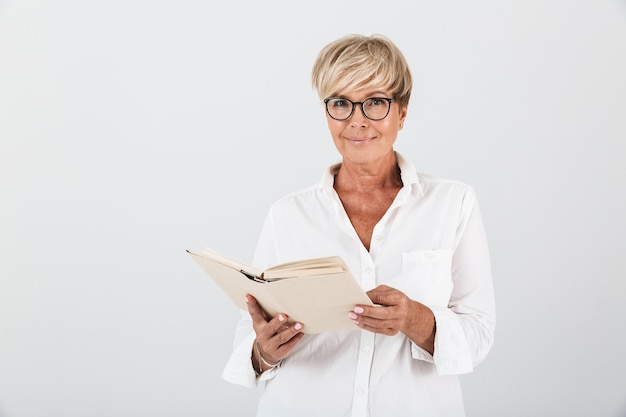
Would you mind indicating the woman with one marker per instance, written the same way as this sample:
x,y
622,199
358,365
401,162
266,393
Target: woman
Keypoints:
x,y
415,242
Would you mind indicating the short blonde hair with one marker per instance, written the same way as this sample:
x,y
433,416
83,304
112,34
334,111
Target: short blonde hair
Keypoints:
x,y
354,61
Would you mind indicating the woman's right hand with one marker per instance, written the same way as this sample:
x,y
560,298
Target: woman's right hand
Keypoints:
x,y
275,337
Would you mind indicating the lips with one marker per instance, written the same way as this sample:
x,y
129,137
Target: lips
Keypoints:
x,y
359,140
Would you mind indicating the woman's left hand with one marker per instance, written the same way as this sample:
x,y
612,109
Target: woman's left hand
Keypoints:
x,y
393,313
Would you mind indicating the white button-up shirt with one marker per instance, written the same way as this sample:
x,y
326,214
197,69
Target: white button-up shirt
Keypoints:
x,y
431,245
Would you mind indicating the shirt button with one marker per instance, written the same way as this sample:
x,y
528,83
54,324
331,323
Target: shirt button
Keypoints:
x,y
378,237
429,255
361,391
365,348
369,270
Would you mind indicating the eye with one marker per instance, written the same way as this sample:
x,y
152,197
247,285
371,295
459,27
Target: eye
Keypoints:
x,y
376,102
339,103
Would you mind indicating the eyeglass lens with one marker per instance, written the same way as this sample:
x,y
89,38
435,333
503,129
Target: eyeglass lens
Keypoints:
x,y
373,108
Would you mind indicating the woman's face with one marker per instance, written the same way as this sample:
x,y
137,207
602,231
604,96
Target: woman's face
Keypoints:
x,y
361,140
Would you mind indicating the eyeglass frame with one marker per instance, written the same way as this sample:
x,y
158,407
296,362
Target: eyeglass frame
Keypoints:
x,y
354,103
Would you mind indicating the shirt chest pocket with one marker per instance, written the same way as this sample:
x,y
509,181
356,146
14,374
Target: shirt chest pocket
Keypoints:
x,y
427,276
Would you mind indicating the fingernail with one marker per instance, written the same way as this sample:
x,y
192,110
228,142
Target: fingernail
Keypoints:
x,y
281,317
358,310
246,298
298,326
352,315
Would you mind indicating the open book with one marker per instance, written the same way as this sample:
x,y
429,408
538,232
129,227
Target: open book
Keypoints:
x,y
318,292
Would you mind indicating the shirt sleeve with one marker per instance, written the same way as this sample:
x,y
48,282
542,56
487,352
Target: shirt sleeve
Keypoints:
x,y
238,369
465,329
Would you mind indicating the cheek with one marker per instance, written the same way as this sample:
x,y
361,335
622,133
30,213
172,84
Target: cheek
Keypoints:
x,y
389,131
335,127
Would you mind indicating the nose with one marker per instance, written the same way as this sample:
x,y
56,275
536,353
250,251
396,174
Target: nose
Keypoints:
x,y
358,118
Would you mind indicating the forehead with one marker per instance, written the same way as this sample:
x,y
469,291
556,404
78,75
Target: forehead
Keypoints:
x,y
364,92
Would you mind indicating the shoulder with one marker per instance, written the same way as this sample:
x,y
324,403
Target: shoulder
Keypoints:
x,y
300,199
445,192
447,195
434,183
429,185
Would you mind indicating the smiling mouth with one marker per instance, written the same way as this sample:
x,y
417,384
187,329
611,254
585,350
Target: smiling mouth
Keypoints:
x,y
359,140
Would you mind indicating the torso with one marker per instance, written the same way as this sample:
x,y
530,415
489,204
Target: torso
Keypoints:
x,y
367,192
366,209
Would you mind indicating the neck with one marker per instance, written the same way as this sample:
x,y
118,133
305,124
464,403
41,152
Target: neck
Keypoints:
x,y
382,174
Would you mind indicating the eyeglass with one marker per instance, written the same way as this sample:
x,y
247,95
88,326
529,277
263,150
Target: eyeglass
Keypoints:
x,y
375,108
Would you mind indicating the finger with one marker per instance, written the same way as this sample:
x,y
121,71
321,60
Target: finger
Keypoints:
x,y
389,331
381,320
278,324
286,340
377,323
286,333
384,295
255,310
378,312
280,344
377,319
265,327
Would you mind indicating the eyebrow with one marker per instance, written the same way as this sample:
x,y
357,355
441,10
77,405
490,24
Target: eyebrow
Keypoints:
x,y
373,94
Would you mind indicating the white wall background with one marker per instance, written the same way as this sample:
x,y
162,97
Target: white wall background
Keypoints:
x,y
131,130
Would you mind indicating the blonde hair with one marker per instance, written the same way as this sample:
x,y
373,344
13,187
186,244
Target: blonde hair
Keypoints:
x,y
354,61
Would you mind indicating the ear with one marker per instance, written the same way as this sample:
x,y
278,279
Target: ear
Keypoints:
x,y
403,112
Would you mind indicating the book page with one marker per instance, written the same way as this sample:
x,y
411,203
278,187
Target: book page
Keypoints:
x,y
224,260
307,267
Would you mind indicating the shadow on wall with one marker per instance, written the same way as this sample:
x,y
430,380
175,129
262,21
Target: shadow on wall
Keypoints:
x,y
621,411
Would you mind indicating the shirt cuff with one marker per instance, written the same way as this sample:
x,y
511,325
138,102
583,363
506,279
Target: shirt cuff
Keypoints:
x,y
239,369
452,355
